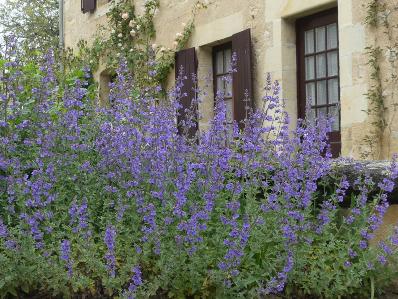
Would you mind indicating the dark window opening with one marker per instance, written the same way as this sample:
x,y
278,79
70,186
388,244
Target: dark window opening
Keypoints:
x,y
238,91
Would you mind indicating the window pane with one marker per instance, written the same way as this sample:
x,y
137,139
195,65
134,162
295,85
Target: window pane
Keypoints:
x,y
309,41
310,93
220,84
228,87
321,93
322,112
229,110
309,68
228,59
333,64
320,39
220,62
335,114
332,36
321,66
333,90
311,115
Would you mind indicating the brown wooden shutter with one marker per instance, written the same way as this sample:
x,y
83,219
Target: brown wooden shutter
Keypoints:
x,y
188,62
242,78
88,5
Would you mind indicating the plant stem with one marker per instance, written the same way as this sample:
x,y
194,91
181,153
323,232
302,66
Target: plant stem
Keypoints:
x,y
372,288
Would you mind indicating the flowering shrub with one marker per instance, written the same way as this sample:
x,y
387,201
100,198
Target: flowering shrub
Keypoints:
x,y
113,202
132,36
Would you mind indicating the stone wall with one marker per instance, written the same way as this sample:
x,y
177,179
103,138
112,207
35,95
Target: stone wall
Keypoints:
x,y
356,80
272,24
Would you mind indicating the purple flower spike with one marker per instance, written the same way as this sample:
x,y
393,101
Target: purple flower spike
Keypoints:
x,y
65,251
110,239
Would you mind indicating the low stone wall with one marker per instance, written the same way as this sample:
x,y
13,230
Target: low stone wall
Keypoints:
x,y
377,170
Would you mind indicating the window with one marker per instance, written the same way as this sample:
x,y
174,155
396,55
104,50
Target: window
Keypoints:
x,y
318,70
238,90
88,5
222,76
239,94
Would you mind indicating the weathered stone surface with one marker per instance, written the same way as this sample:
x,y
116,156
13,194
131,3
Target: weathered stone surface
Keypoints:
x,y
274,44
377,170
352,168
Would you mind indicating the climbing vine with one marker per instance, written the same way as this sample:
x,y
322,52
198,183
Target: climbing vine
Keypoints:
x,y
132,35
382,101
376,108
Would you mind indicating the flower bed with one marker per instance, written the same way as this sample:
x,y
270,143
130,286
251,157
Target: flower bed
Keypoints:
x,y
114,202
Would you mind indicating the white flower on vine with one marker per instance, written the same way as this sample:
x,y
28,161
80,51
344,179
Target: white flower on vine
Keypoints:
x,y
154,46
120,35
175,43
133,33
120,44
125,15
179,34
138,27
132,23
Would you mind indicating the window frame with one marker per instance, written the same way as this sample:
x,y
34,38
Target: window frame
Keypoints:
x,y
242,74
323,18
215,50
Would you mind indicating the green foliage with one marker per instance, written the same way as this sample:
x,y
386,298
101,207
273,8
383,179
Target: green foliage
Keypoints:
x,y
34,23
132,36
376,110
318,270
373,10
320,260
321,270
381,117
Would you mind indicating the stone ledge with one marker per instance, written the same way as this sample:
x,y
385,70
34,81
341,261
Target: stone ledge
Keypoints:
x,y
377,170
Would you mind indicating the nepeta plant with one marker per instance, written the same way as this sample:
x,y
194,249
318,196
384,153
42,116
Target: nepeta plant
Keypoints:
x,y
114,202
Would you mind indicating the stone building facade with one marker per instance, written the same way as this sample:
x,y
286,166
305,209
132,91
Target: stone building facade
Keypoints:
x,y
314,48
